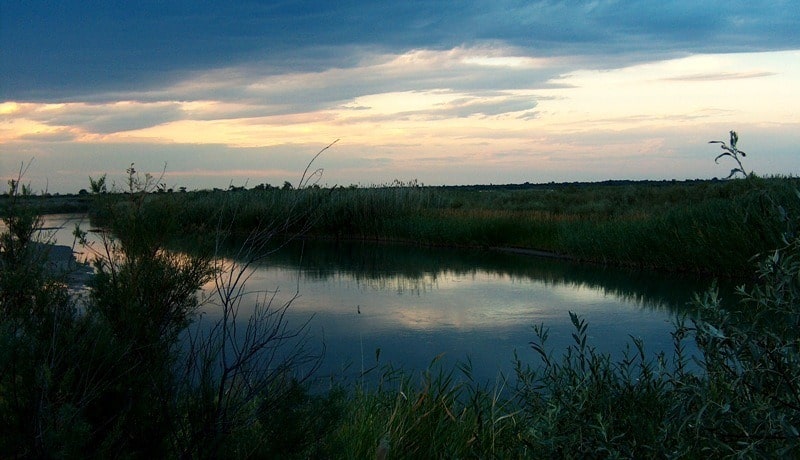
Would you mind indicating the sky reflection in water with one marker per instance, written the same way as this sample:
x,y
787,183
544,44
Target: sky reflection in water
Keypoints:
x,y
416,303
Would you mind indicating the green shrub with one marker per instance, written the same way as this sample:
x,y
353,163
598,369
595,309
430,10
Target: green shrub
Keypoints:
x,y
123,375
585,405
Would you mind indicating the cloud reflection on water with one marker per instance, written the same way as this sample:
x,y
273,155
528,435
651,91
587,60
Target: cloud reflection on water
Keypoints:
x,y
414,303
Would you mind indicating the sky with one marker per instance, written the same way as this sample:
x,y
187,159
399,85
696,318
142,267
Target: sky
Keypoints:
x,y
207,94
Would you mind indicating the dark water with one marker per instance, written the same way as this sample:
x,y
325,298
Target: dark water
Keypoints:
x,y
417,303
414,304
58,229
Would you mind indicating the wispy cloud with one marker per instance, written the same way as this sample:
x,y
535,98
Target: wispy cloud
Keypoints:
x,y
61,135
445,84
721,76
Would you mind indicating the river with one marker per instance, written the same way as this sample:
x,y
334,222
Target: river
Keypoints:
x,y
415,304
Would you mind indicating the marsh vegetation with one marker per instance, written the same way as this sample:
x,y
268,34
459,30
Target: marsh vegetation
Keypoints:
x,y
711,227
125,372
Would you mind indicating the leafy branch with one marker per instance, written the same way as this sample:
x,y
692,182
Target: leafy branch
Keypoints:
x,y
731,151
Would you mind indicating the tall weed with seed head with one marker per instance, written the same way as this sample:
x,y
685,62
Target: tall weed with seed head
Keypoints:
x,y
732,151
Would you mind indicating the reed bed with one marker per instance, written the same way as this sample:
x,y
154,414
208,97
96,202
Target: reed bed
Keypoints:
x,y
709,227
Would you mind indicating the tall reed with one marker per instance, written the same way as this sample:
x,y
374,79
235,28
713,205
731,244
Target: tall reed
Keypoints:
x,y
712,227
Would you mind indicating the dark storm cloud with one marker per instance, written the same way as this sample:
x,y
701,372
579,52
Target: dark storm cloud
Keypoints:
x,y
67,50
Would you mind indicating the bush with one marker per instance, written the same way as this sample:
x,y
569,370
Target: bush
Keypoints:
x,y
47,351
125,375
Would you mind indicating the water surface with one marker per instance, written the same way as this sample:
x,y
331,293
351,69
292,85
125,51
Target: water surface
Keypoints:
x,y
415,304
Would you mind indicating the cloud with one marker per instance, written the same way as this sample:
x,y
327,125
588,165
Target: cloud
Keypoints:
x,y
116,117
71,50
460,82
63,135
473,70
502,91
490,155
720,76
473,106
436,105
77,119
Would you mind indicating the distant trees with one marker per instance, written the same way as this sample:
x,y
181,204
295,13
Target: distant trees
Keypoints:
x,y
262,187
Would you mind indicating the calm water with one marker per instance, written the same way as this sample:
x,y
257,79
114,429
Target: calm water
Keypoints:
x,y
417,303
58,229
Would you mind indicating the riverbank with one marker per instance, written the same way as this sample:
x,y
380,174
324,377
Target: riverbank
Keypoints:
x,y
113,379
706,227
711,227
49,203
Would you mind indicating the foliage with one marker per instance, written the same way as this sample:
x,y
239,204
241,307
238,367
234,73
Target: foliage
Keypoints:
x,y
733,152
124,374
663,225
144,296
584,405
445,414
132,371
47,351
751,396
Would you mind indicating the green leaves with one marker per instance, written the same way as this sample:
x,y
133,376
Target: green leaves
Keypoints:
x,y
731,151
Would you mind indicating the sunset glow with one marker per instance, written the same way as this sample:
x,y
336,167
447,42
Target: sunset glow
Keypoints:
x,y
480,111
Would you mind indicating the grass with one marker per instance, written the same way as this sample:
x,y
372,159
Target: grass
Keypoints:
x,y
739,399
436,413
110,379
49,204
707,227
